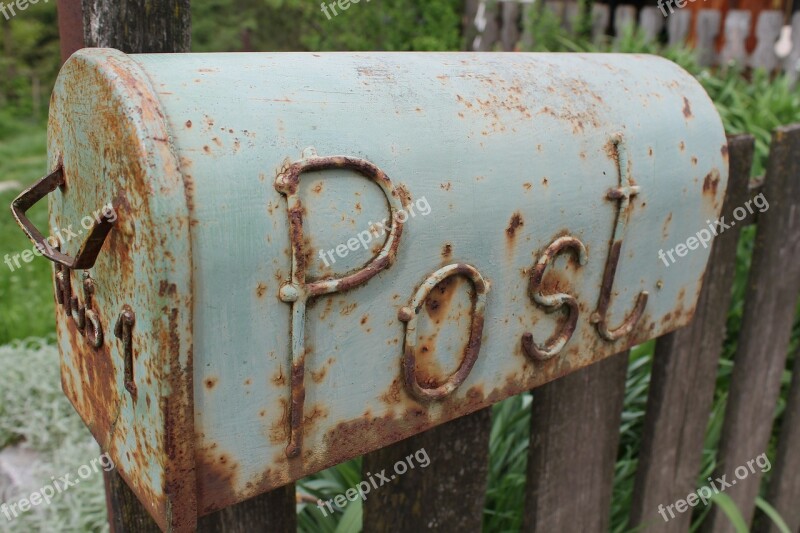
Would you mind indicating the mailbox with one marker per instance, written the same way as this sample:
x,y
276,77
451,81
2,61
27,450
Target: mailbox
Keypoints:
x,y
312,256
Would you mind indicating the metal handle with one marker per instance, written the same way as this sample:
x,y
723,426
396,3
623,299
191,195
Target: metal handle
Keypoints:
x,y
87,255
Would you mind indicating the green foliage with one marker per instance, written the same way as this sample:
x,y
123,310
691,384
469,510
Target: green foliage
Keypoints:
x,y
30,57
281,25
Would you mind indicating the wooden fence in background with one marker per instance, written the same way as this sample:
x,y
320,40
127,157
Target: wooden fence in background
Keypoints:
x,y
719,38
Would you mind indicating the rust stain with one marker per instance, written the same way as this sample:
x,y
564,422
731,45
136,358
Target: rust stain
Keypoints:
x,y
261,290
711,183
447,251
515,222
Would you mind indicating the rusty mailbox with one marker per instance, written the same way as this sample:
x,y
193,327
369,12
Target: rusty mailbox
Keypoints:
x,y
312,256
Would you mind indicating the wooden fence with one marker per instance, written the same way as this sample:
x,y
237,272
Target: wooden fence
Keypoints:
x,y
718,38
575,420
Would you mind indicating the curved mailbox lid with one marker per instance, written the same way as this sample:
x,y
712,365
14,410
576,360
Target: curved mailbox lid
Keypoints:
x,y
538,190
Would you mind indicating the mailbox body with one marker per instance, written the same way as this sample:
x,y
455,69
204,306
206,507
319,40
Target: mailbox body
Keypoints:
x,y
522,176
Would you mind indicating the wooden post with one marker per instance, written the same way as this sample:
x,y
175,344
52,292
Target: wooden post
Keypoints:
x,y
447,495
685,372
574,442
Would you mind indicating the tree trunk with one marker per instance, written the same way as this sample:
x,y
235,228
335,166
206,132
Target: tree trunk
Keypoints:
x,y
138,26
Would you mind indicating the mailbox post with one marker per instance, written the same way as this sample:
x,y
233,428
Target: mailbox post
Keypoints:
x,y
312,256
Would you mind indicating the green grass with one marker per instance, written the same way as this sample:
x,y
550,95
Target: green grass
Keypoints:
x,y
26,294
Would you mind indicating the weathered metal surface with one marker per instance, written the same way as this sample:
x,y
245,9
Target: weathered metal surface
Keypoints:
x,y
536,189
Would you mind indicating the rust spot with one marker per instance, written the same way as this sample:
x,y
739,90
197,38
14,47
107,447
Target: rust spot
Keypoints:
x,y
206,149
279,379
545,181
665,227
188,123
211,383
687,109
682,146
711,183
217,474
261,290
446,186
527,185
364,319
319,376
447,251
515,222
347,309
724,151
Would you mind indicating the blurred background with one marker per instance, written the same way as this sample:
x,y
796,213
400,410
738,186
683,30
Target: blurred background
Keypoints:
x,y
742,53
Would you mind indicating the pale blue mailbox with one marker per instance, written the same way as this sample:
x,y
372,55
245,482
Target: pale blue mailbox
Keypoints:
x,y
314,255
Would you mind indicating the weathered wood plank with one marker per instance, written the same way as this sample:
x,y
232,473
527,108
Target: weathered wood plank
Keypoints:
x,y
684,375
651,22
768,28
270,512
770,300
509,35
737,30
574,439
488,25
791,65
678,25
784,487
600,19
624,20
708,26
125,513
448,494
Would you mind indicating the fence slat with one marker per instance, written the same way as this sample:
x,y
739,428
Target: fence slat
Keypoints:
x,y
273,511
784,487
791,64
678,25
624,20
770,300
448,494
768,28
737,30
509,35
685,372
708,25
574,438
651,22
600,18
